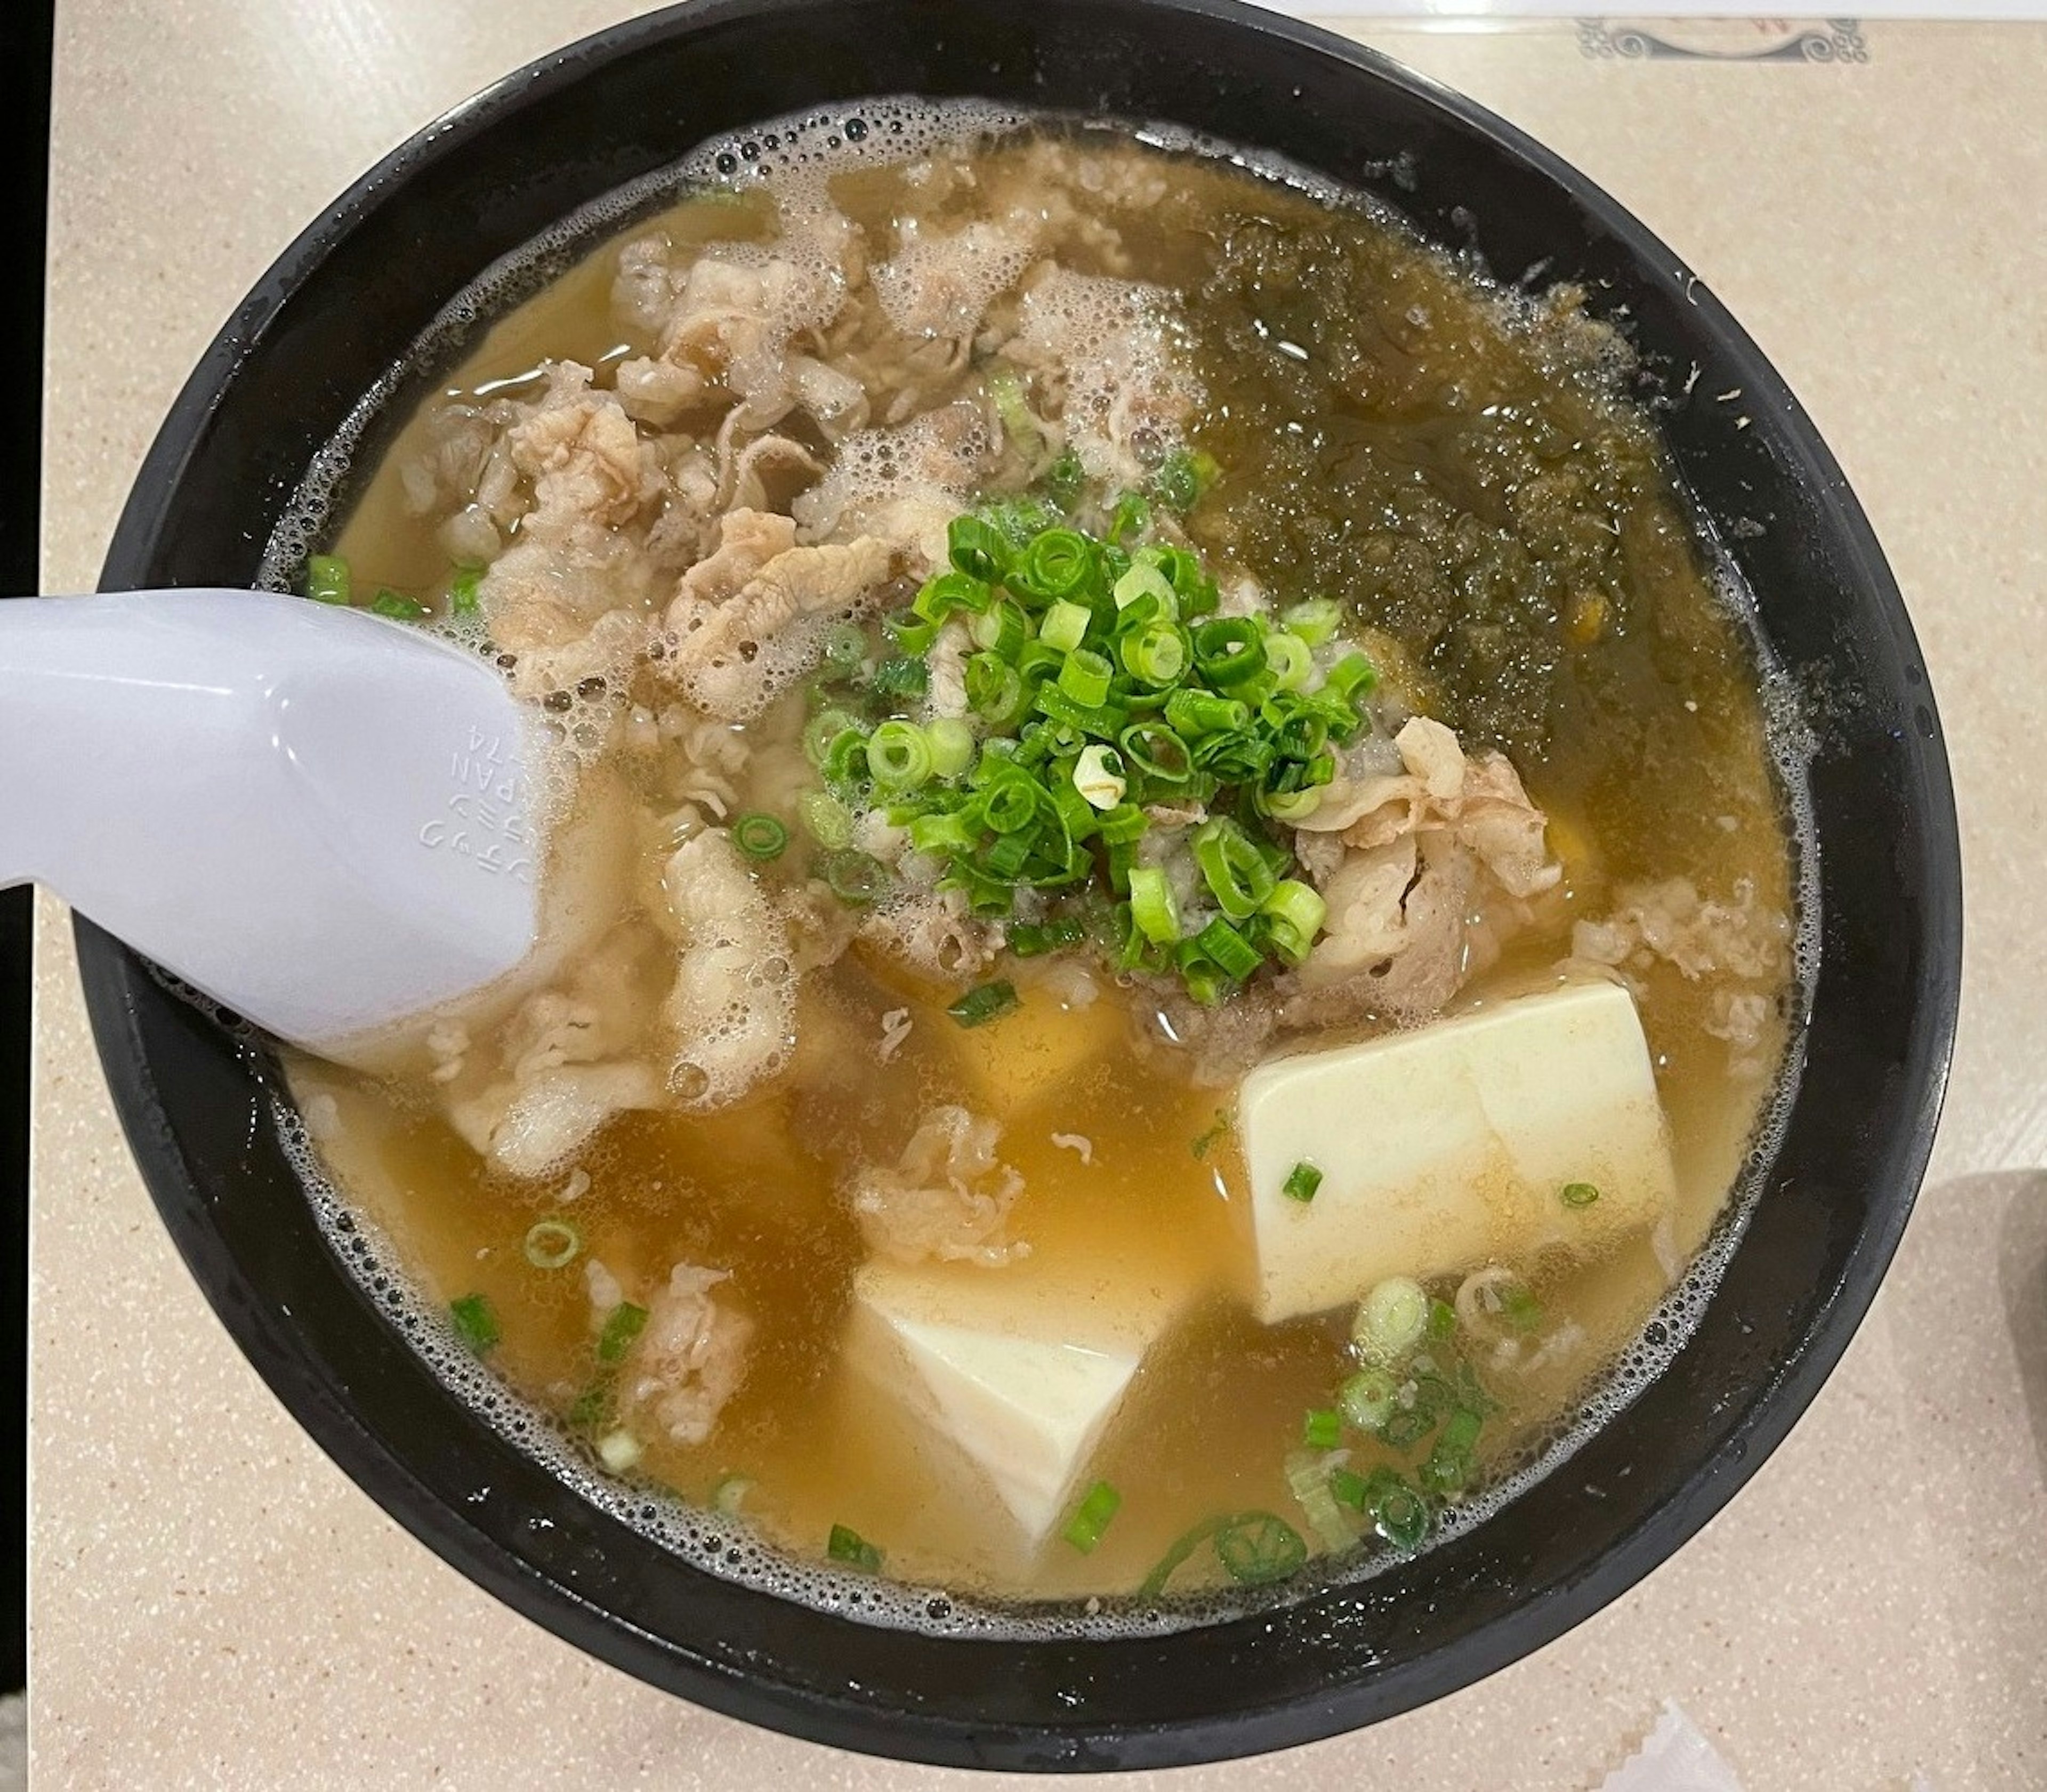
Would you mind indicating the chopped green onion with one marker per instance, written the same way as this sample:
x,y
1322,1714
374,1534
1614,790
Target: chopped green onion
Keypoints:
x,y
1006,390
1302,1182
1001,629
1063,479
592,1411
901,675
1091,1517
1406,1427
1292,807
990,1001
1098,777
846,646
1156,654
475,1320
1131,517
1031,940
912,634
1065,625
1181,479
760,837
1308,1477
1368,1398
465,591
898,755
1579,1195
978,549
552,1243
1152,905
1389,1321
1257,1548
327,578
1314,621
1442,1321
1449,1465
1232,866
1202,712
730,1495
821,732
398,606
847,1546
1204,1140
1296,912
1322,1428
1287,658
1350,677
1235,956
1058,563
1520,1308
996,690
626,1323
1085,676
618,1450
951,742
825,819
1350,1488
855,878
1145,580
1402,1517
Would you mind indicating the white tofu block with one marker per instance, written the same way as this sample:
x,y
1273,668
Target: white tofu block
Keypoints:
x,y
1449,1146
1014,1375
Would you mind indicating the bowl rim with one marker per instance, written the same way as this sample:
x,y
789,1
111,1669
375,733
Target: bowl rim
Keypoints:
x,y
111,974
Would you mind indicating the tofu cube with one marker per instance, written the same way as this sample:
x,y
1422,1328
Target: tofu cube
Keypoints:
x,y
1007,1380
1449,1146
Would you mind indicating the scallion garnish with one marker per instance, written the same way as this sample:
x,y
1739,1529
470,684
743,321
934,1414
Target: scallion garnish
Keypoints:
x,y
1389,1321
760,837
475,1322
398,606
855,878
463,590
1322,1428
1257,1549
1103,689
1579,1195
552,1243
327,578
1368,1398
626,1323
901,675
1302,1182
1091,1517
990,1001
847,1546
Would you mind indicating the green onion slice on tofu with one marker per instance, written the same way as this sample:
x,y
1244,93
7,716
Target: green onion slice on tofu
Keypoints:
x,y
1302,1182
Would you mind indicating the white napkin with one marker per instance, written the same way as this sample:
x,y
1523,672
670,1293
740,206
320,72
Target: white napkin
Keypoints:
x,y
1674,1757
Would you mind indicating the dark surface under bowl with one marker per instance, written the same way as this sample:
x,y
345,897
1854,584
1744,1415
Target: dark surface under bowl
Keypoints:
x,y
342,304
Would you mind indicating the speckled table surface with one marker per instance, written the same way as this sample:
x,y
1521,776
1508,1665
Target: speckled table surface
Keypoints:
x,y
214,1604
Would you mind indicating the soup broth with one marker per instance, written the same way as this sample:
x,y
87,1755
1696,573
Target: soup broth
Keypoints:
x,y
786,1077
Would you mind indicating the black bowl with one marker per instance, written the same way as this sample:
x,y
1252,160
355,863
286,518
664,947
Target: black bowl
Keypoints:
x,y
339,308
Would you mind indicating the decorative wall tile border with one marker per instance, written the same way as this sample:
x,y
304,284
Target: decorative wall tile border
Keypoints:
x,y
1724,40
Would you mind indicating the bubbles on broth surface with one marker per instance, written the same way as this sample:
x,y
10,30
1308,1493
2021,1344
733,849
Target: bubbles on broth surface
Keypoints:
x,y
797,156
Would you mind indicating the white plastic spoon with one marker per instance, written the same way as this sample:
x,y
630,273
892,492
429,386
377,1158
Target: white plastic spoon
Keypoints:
x,y
318,817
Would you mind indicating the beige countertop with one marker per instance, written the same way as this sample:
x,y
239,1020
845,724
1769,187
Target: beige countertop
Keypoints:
x,y
214,1604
